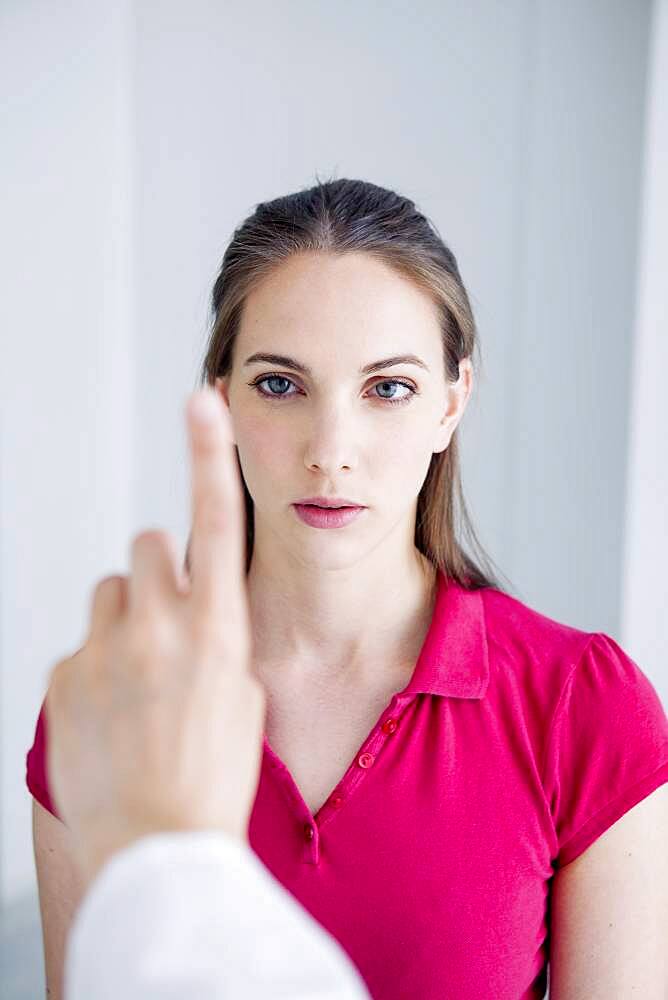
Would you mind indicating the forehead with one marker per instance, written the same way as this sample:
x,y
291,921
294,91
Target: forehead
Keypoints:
x,y
335,298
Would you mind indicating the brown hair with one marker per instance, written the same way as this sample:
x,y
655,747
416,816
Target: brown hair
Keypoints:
x,y
343,216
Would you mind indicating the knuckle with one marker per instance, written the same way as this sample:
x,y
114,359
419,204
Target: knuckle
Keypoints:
x,y
207,632
64,666
212,515
108,582
213,633
150,538
56,674
60,681
205,442
150,629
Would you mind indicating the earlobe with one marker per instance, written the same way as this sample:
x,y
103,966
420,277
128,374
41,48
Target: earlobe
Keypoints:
x,y
466,369
445,444
446,430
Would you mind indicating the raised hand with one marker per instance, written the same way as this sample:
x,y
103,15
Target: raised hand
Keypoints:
x,y
155,724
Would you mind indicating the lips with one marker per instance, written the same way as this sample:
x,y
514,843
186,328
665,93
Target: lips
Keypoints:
x,y
327,517
326,502
321,506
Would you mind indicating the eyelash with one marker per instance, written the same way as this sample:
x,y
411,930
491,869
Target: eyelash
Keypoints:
x,y
255,384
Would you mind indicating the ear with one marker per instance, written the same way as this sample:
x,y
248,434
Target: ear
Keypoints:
x,y
222,386
457,397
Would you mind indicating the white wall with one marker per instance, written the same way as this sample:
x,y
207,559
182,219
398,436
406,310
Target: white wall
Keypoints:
x,y
644,622
575,274
140,134
68,356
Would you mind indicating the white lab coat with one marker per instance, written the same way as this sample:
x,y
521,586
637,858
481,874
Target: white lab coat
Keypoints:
x,y
196,914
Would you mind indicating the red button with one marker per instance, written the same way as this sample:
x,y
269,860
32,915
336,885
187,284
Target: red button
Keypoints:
x,y
389,725
308,831
337,801
365,759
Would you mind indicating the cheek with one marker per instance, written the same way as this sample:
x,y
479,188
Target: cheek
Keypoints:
x,y
402,457
267,448
403,445
264,444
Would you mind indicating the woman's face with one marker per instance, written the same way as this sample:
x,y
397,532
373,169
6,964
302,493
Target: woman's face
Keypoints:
x,y
338,431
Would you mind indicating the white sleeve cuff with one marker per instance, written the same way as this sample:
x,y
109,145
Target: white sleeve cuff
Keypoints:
x,y
196,913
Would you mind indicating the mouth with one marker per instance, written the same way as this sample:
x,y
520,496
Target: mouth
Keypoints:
x,y
329,503
320,506
327,517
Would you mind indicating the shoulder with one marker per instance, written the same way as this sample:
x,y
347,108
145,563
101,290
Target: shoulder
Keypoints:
x,y
595,723
529,650
544,653
515,625
581,695
37,779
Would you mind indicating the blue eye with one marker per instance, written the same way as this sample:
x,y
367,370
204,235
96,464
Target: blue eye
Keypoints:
x,y
283,395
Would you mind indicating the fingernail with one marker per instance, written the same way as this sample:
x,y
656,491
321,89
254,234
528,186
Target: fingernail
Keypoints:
x,y
205,407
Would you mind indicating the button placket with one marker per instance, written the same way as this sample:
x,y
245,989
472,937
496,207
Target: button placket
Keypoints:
x,y
311,830
311,841
365,760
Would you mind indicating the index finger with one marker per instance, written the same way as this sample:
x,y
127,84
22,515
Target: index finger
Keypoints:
x,y
218,533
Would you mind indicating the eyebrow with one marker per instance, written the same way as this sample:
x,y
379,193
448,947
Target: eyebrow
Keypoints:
x,y
287,362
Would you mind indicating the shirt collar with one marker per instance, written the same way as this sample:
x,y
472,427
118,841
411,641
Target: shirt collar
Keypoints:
x,y
453,660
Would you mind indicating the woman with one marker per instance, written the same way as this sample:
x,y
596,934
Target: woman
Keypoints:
x,y
437,754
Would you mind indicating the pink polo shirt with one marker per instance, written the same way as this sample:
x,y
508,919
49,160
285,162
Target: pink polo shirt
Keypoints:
x,y
517,742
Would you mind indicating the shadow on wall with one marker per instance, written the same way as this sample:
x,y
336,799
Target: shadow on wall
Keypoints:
x,y
21,954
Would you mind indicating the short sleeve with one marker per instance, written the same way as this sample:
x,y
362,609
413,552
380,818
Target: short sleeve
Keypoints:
x,y
36,771
607,747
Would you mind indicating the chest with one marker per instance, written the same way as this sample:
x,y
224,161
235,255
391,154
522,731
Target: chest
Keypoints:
x,y
443,842
317,734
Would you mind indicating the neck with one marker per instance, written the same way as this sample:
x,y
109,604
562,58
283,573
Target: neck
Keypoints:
x,y
339,625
